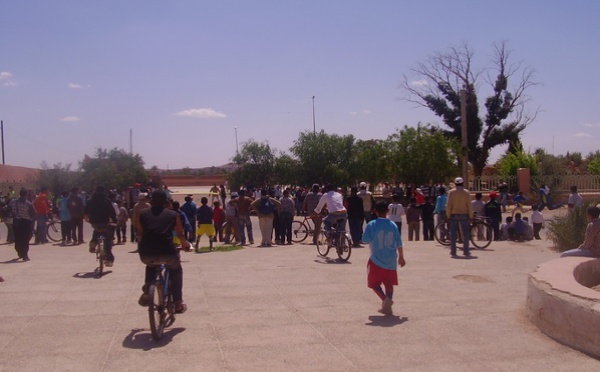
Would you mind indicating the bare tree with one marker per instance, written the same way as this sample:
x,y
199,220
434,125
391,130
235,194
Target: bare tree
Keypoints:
x,y
436,84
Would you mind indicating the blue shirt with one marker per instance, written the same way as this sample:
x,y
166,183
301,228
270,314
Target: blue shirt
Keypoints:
x,y
440,204
384,240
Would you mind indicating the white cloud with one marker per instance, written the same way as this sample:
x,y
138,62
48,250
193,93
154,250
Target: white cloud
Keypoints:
x,y
366,112
583,135
201,113
5,75
70,119
419,83
361,112
11,83
74,86
592,125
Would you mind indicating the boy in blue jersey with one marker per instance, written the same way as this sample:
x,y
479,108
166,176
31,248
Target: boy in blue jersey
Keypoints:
x,y
385,245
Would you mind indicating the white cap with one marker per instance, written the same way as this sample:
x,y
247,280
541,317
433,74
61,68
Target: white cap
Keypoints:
x,y
459,180
363,184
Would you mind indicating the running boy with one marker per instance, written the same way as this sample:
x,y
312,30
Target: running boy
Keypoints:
x,y
385,247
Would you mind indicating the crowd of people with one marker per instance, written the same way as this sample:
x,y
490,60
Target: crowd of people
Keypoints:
x,y
160,224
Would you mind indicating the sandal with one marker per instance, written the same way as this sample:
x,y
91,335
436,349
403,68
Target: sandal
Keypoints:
x,y
180,308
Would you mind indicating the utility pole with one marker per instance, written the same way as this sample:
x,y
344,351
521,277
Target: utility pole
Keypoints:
x,y
465,138
237,149
130,141
314,123
2,135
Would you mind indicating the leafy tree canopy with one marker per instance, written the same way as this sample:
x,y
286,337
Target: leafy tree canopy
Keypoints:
x,y
113,169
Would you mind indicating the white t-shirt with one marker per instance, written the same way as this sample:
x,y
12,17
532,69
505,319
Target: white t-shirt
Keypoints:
x,y
334,202
395,212
575,199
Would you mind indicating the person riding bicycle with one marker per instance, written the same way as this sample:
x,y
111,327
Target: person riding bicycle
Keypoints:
x,y
99,212
334,201
156,227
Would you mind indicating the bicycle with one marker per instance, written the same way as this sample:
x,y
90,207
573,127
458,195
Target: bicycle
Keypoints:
x,y
53,231
302,229
339,239
480,232
161,309
100,252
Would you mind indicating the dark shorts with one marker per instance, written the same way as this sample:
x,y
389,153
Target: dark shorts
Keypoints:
x,y
377,275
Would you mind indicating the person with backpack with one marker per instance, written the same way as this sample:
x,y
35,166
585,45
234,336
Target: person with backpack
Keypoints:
x,y
264,207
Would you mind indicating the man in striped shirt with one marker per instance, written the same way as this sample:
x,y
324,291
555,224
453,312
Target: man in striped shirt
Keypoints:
x,y
23,213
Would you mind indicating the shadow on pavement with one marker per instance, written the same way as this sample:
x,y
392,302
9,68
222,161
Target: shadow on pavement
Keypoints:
x,y
142,339
14,260
386,320
90,275
334,261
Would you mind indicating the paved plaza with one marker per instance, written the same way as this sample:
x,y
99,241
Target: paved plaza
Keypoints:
x,y
276,309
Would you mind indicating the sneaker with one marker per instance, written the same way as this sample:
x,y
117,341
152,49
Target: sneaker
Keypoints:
x,y
144,300
92,247
386,307
108,263
251,242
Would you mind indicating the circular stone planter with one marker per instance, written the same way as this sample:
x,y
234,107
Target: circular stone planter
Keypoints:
x,y
562,304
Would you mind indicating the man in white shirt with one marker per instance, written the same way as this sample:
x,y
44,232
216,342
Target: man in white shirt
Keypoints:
x,y
335,206
575,200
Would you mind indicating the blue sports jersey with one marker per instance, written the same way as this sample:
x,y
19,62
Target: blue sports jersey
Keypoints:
x,y
384,239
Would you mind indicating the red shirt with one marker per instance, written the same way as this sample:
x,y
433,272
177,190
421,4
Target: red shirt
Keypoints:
x,y
41,204
219,216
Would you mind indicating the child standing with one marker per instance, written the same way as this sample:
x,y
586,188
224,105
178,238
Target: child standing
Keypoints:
x,y
205,216
537,219
219,219
386,254
122,218
413,216
396,211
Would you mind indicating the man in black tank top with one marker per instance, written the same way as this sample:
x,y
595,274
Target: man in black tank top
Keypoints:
x,y
155,235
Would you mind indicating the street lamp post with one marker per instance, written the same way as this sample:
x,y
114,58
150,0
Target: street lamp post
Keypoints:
x,y
237,149
314,124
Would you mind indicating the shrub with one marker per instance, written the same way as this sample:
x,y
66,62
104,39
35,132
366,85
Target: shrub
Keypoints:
x,y
567,231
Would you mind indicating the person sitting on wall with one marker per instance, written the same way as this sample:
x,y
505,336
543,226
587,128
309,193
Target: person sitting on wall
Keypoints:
x,y
591,243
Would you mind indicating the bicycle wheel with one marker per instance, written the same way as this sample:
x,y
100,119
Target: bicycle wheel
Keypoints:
x,y
344,248
299,232
481,235
322,246
100,255
170,305
157,310
53,231
442,233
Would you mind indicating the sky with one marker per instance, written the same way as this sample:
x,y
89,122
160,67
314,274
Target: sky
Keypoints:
x,y
191,80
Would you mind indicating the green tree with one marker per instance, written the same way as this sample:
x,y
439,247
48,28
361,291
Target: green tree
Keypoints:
x,y
437,85
57,178
286,170
422,155
256,164
372,162
594,166
549,164
511,161
324,158
113,169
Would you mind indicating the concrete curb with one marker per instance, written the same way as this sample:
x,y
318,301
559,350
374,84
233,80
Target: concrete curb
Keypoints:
x,y
563,308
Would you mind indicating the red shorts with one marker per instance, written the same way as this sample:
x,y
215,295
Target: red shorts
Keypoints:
x,y
377,275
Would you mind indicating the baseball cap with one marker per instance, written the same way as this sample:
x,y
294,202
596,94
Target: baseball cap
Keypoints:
x,y
493,194
363,184
459,180
234,194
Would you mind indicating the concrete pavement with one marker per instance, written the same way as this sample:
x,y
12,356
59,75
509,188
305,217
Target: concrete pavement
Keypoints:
x,y
280,308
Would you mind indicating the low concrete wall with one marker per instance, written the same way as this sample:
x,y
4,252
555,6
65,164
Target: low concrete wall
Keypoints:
x,y
564,308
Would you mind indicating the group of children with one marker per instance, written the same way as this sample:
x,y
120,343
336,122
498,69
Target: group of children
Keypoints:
x,y
519,228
